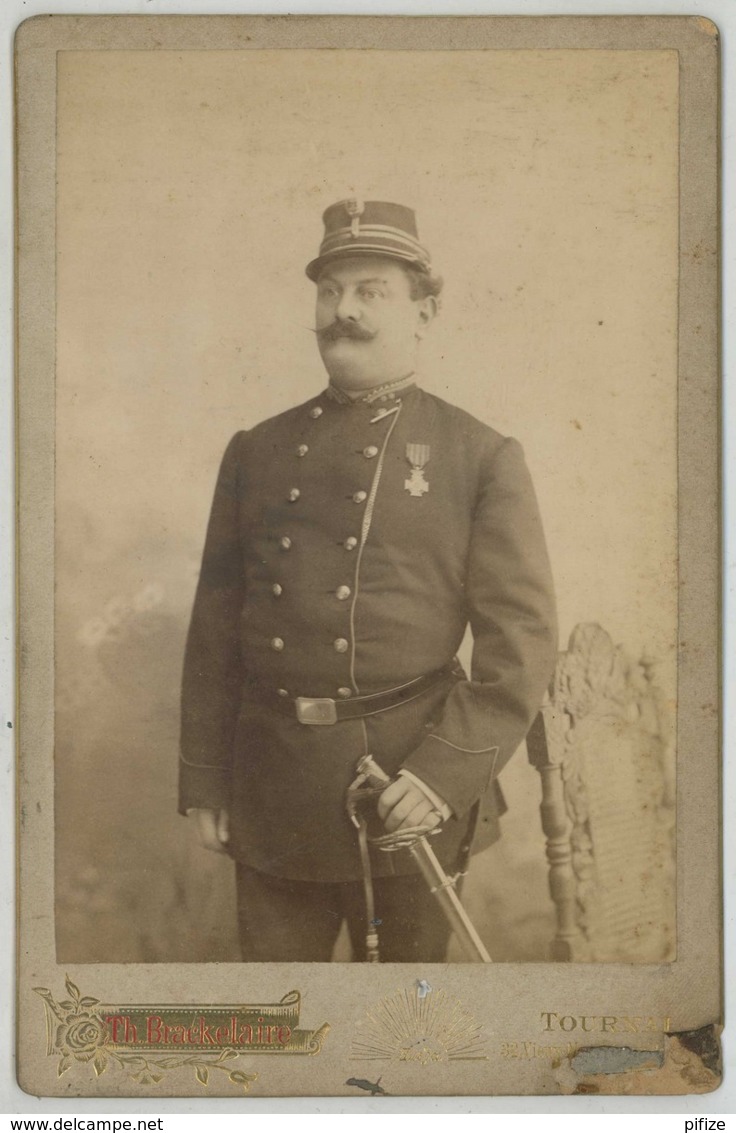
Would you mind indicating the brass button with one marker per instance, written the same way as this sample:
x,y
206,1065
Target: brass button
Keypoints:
x,y
370,452
285,542
315,412
343,592
302,450
277,643
351,543
341,645
294,495
359,497
344,693
282,691
277,589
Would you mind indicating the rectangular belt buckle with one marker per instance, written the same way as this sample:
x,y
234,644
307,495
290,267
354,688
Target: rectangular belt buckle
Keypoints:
x,y
316,710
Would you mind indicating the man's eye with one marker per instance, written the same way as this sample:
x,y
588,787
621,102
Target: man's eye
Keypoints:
x,y
327,292
370,293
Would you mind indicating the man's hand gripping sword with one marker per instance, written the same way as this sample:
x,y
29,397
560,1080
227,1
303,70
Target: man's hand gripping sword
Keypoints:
x,y
370,782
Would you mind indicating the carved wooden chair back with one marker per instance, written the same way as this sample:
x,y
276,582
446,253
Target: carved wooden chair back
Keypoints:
x,y
604,747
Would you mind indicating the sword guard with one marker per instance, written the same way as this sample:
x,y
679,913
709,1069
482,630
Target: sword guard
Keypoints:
x,y
402,839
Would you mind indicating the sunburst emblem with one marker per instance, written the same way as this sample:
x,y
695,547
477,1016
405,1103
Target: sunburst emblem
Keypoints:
x,y
416,1025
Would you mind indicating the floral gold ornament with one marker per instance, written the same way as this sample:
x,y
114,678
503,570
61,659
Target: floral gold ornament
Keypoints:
x,y
147,1041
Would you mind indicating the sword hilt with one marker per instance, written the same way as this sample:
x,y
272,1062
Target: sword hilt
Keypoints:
x,y
376,780
369,783
372,774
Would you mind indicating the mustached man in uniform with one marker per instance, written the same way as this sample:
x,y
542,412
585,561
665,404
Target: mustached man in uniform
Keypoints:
x,y
351,542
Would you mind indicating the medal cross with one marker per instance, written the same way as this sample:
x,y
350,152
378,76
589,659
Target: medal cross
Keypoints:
x,y
416,485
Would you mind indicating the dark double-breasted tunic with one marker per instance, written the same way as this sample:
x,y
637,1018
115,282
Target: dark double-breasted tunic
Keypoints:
x,y
349,546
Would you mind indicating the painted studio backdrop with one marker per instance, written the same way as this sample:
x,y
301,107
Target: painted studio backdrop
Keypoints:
x,y
190,192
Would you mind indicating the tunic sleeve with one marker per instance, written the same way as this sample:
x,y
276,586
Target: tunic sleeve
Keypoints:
x,y
212,679
511,610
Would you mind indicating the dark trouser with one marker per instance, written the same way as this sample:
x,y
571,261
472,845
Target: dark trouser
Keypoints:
x,y
282,920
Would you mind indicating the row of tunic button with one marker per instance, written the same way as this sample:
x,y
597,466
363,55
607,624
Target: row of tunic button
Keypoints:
x,y
368,452
286,543
357,497
340,644
342,592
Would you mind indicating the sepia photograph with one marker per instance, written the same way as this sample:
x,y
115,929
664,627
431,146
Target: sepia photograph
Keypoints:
x,y
363,466
447,407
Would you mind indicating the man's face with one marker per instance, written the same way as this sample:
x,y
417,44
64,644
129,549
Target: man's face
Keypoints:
x,y
368,325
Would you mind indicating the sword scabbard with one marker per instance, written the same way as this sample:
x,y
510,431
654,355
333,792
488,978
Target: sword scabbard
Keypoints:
x,y
448,900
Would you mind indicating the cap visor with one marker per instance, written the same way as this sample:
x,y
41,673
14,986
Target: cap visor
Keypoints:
x,y
314,267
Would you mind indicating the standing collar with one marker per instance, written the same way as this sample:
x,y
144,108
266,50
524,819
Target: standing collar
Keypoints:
x,y
366,397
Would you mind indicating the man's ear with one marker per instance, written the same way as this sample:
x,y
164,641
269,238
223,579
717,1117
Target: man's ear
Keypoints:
x,y
426,310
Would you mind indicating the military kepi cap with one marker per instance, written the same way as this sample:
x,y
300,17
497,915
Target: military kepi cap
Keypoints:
x,y
360,228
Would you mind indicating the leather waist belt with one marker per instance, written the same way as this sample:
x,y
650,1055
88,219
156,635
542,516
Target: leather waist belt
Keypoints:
x,y
325,710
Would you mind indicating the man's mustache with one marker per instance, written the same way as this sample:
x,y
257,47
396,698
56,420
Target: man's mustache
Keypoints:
x,y
344,328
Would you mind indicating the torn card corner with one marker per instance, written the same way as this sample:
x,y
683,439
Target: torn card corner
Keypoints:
x,y
689,1062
